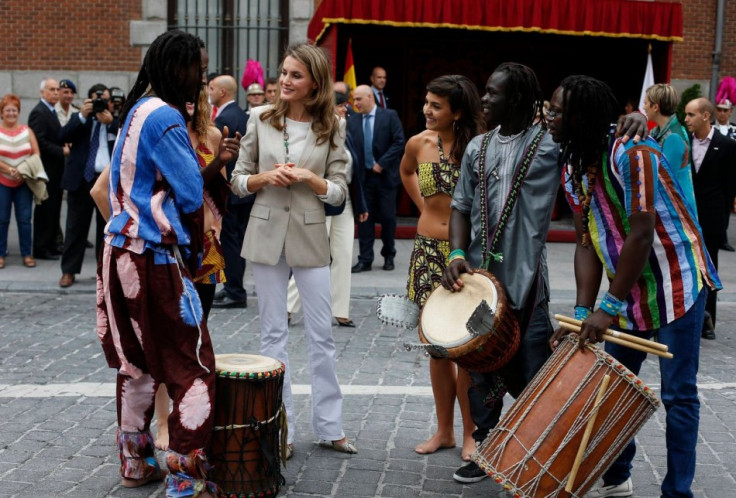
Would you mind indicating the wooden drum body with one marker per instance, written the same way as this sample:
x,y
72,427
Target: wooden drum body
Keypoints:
x,y
248,416
445,315
532,449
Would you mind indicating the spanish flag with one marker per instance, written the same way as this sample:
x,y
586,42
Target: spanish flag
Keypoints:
x,y
349,76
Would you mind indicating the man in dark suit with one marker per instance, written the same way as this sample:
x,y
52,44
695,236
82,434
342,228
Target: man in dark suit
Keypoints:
x,y
45,125
378,84
714,177
222,94
92,132
378,139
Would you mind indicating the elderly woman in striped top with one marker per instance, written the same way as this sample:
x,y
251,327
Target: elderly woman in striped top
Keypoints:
x,y
17,145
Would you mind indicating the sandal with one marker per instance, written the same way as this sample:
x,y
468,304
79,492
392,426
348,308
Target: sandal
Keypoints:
x,y
345,322
342,447
2,263
29,262
289,451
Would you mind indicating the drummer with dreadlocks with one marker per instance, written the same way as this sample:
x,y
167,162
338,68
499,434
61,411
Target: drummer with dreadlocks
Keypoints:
x,y
632,221
501,212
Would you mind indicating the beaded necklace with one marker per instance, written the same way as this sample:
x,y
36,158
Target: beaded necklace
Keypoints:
x,y
443,159
531,151
286,142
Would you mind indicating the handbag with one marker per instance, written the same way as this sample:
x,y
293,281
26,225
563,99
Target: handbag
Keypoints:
x,y
331,210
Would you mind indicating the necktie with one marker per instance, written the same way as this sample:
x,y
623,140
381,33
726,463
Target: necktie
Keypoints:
x,y
382,101
94,145
214,112
368,141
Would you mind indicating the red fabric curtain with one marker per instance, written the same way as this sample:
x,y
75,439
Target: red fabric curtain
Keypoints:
x,y
625,18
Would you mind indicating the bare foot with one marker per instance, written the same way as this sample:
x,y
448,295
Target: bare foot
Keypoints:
x,y
162,437
435,443
135,483
469,447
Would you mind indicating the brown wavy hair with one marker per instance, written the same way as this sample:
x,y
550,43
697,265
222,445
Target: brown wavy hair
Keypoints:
x,y
320,104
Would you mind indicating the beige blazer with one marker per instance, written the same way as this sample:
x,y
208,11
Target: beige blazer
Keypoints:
x,y
289,220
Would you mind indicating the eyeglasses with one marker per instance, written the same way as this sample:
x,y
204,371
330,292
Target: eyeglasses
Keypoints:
x,y
552,114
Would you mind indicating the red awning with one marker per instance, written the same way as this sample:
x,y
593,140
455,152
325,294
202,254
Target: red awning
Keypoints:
x,y
613,18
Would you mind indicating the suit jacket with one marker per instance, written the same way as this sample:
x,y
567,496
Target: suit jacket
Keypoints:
x,y
715,183
357,194
45,126
386,98
79,134
289,220
388,144
236,120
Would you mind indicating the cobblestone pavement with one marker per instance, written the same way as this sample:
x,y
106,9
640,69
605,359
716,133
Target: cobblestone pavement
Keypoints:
x,y
57,410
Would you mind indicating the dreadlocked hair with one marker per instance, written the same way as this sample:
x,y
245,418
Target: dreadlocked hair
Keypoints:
x,y
164,70
591,105
523,81
462,95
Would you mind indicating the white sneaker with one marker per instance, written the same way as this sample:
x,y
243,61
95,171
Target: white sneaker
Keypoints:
x,y
626,488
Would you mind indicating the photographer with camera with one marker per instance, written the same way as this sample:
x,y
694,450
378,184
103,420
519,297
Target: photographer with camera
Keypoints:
x,y
92,133
117,99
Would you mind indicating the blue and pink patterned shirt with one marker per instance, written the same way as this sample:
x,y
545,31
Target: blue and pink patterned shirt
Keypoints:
x,y
154,180
633,179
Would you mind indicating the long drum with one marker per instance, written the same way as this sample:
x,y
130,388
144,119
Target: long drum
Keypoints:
x,y
444,319
248,416
532,449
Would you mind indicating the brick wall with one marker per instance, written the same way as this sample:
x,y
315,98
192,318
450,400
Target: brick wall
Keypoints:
x,y
68,35
692,58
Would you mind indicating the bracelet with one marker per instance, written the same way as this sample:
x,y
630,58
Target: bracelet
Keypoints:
x,y
456,254
582,312
611,304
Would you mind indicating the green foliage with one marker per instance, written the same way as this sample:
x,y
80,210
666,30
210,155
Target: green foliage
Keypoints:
x,y
690,93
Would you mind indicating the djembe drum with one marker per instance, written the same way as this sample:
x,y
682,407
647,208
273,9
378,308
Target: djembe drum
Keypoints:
x,y
248,419
475,327
532,449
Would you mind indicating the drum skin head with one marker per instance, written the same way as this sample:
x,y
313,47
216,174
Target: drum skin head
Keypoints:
x,y
245,363
445,314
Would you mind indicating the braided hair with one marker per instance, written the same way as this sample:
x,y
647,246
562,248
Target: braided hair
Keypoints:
x,y
462,95
523,81
589,109
164,71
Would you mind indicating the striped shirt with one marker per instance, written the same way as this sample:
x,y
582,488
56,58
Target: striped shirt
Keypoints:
x,y
678,266
154,180
15,147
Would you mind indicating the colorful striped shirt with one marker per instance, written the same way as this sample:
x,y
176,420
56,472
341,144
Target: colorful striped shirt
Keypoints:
x,y
154,180
631,180
15,147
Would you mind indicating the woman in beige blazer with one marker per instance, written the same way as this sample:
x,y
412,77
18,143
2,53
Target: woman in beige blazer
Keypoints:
x,y
293,160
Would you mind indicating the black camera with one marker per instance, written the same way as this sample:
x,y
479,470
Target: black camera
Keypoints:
x,y
99,104
117,97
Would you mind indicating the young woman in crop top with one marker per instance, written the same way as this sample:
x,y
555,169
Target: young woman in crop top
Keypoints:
x,y
429,171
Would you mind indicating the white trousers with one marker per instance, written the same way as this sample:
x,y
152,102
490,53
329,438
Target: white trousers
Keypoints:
x,y
270,283
341,230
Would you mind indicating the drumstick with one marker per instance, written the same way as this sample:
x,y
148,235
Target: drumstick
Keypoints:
x,y
616,333
586,435
622,342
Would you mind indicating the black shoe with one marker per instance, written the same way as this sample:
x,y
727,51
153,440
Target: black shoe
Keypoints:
x,y
388,264
359,267
46,255
727,247
469,473
89,245
708,331
229,303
